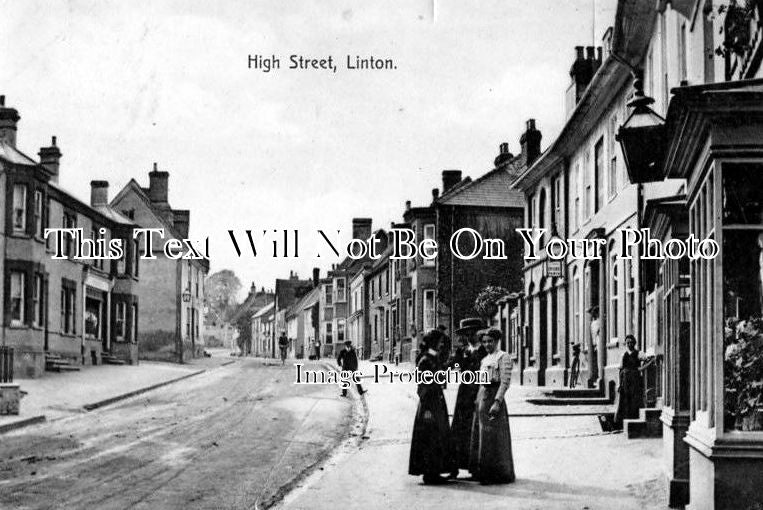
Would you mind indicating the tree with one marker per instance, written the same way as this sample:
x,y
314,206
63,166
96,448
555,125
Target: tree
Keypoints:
x,y
222,288
486,303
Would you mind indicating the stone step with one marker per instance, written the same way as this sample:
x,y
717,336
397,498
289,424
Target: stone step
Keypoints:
x,y
575,393
648,424
62,368
581,401
112,361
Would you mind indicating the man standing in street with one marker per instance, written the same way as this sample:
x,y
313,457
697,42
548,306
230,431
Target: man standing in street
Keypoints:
x,y
593,359
348,361
283,345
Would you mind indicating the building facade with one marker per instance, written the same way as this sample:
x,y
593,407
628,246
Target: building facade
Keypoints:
x,y
72,309
173,295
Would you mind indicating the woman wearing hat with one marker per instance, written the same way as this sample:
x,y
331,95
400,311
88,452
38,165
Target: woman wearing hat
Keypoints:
x,y
468,357
430,444
490,458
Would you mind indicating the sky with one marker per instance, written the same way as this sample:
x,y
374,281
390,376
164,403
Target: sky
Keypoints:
x,y
126,84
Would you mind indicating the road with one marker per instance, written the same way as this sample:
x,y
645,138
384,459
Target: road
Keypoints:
x,y
234,437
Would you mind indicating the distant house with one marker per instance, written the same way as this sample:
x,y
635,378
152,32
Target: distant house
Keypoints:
x,y
172,296
262,330
287,291
241,318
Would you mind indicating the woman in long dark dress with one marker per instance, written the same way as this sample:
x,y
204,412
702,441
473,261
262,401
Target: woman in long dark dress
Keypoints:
x,y
466,359
630,397
430,444
490,459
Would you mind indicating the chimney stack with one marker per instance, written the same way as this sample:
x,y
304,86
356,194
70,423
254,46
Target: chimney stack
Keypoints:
x,y
503,155
158,186
253,289
449,179
316,276
582,70
99,193
407,205
182,221
530,141
435,194
9,119
50,158
361,228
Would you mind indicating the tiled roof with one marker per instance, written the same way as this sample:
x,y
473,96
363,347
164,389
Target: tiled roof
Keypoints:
x,y
13,155
491,190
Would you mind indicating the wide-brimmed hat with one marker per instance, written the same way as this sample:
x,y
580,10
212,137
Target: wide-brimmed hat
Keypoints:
x,y
469,324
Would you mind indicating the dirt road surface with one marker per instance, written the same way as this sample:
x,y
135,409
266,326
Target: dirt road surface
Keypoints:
x,y
234,437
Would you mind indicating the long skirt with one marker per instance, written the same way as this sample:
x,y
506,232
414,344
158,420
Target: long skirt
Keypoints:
x,y
490,458
430,444
461,428
630,397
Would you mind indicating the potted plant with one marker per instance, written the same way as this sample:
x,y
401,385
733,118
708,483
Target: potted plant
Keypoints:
x,y
743,374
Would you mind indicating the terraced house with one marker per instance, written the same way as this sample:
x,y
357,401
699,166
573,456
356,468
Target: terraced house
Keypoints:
x,y
61,313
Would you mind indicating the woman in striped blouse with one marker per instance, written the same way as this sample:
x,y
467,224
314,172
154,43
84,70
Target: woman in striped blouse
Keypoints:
x,y
490,457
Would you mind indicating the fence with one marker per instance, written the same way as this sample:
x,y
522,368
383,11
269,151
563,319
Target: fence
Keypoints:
x,y
6,364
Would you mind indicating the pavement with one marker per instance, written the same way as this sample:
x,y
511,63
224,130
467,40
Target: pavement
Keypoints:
x,y
237,436
56,395
562,462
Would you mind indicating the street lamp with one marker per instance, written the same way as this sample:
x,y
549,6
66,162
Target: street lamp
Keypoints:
x,y
187,295
642,137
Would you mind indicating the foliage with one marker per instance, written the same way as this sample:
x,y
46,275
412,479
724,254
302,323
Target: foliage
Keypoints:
x,y
221,290
486,303
735,27
743,372
244,326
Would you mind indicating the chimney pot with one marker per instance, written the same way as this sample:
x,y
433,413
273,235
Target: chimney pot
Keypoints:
x,y
407,205
2,100
316,276
9,119
435,193
578,52
53,140
503,148
158,186
530,142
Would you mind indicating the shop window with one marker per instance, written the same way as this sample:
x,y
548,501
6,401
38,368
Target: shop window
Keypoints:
x,y
19,208
17,295
340,331
742,223
93,311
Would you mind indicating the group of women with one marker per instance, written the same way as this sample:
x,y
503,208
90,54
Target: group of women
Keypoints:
x,y
478,439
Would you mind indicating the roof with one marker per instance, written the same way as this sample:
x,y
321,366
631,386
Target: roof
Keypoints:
x,y
11,154
491,190
266,310
634,21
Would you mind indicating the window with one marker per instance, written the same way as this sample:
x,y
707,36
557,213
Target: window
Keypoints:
x,y
136,257
429,310
682,64
649,85
340,290
70,221
19,208
577,326
134,331
599,174
409,311
588,195
542,209
198,277
630,301
428,234
68,300
574,186
38,207
371,295
413,311
329,333
556,200
18,281
188,322
328,292
340,327
612,181
121,266
530,207
614,295
93,316
119,323
39,303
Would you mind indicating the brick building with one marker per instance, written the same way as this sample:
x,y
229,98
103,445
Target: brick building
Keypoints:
x,y
61,311
172,295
